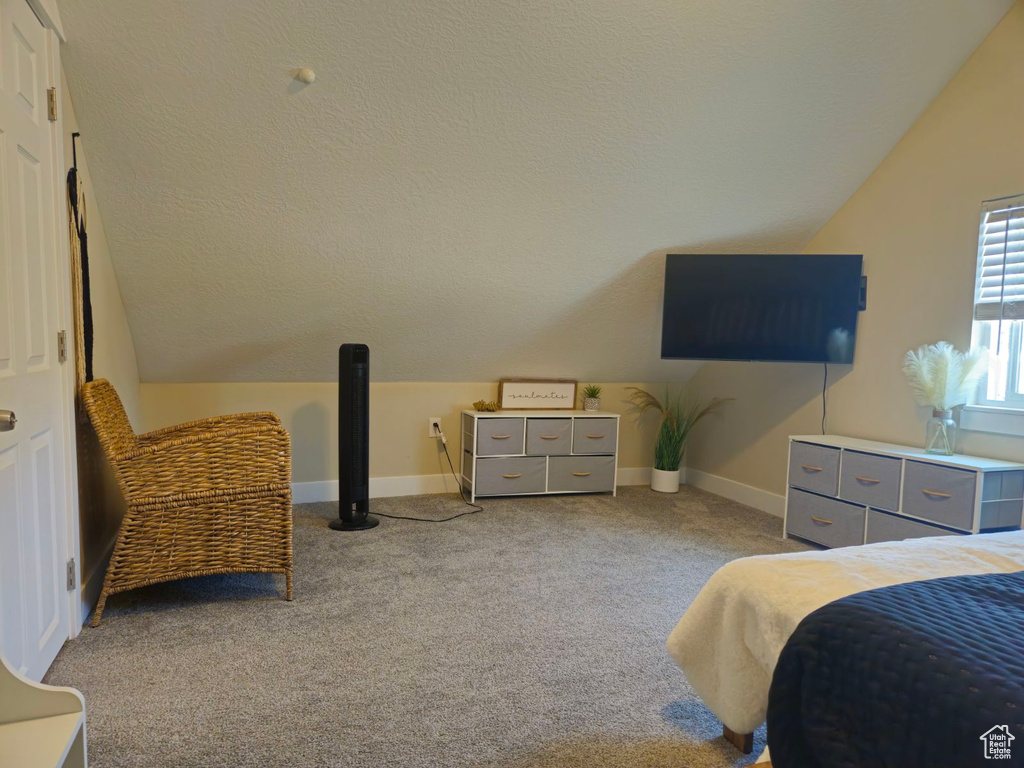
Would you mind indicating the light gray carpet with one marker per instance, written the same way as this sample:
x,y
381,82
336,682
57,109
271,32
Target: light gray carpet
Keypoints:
x,y
532,634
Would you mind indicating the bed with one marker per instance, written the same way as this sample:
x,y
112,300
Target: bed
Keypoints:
x,y
729,640
929,673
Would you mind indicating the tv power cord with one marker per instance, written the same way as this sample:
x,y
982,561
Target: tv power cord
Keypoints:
x,y
824,400
476,507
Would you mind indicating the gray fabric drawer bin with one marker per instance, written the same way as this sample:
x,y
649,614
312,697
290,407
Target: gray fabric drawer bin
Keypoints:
x,y
941,494
495,437
594,435
517,474
870,480
546,436
574,474
883,527
1001,514
1000,486
825,521
814,467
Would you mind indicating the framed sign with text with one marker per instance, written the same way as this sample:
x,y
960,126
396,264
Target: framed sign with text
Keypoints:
x,y
537,394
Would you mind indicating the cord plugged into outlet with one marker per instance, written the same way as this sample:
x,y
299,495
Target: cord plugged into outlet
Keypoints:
x,y
434,429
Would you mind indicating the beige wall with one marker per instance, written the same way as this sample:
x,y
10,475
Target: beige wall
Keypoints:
x,y
915,220
399,412
471,187
100,512
114,353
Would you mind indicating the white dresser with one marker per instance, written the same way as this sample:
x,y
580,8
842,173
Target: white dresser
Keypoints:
x,y
508,453
844,491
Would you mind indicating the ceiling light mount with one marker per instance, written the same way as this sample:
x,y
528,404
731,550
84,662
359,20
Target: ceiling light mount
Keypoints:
x,y
306,75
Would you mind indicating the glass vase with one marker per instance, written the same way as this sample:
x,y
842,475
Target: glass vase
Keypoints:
x,y
940,436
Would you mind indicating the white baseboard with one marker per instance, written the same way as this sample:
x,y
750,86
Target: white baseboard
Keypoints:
x,y
408,485
758,498
634,476
416,485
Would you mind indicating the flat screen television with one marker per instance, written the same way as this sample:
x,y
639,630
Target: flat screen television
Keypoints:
x,y
793,308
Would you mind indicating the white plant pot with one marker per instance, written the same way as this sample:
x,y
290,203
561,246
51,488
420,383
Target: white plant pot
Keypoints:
x,y
664,481
591,403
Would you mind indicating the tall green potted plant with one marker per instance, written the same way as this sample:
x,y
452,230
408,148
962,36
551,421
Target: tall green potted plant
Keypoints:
x,y
679,415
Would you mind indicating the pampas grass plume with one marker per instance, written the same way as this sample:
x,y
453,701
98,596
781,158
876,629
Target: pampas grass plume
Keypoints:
x,y
942,377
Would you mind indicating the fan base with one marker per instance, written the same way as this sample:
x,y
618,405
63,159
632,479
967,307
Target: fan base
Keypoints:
x,y
353,525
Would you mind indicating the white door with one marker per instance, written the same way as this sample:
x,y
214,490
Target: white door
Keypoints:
x,y
34,605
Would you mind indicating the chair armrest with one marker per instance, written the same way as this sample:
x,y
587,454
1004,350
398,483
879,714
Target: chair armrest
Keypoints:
x,y
196,463
203,426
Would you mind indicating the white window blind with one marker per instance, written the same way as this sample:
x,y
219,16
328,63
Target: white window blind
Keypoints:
x,y
999,290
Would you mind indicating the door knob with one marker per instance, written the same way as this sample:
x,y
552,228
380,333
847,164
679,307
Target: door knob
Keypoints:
x,y
7,420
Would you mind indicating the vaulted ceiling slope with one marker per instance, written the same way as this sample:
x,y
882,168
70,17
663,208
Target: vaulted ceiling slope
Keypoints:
x,y
474,189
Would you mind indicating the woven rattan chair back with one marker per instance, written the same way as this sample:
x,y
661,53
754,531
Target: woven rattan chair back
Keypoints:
x,y
106,412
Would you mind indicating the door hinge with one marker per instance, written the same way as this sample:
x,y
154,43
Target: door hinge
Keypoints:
x,y
62,346
51,104
72,574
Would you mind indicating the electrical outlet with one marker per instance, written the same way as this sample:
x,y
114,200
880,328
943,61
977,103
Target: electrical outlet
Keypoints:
x,y
431,432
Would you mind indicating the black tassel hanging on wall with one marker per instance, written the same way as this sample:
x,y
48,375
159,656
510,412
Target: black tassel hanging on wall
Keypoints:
x,y
79,221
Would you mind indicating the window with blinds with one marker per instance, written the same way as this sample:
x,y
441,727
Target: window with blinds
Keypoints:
x,y
999,290
999,301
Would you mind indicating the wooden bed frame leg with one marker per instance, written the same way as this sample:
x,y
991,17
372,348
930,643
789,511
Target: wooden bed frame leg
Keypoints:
x,y
744,742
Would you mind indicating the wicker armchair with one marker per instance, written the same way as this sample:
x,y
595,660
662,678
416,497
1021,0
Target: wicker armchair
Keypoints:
x,y
210,496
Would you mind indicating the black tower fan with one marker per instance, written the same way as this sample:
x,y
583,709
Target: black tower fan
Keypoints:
x,y
354,439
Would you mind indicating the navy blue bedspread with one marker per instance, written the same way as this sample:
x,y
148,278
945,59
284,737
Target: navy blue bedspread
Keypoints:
x,y
909,675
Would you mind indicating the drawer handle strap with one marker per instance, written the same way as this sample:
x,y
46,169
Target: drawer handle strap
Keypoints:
x,y
500,437
821,520
513,477
937,494
549,437
595,437
581,474
867,479
809,468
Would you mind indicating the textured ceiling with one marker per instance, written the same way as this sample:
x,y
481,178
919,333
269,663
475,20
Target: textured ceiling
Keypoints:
x,y
474,189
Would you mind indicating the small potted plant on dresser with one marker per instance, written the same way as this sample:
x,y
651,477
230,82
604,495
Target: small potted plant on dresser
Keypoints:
x,y
592,397
679,415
